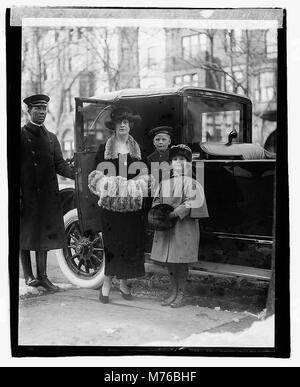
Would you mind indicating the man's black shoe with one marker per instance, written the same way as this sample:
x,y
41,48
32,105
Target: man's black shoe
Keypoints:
x,y
31,281
46,284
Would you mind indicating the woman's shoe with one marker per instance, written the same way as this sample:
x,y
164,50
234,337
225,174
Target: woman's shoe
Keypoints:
x,y
103,299
126,296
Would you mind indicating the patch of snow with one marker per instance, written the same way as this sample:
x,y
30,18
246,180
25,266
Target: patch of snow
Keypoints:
x,y
29,291
217,308
110,331
260,334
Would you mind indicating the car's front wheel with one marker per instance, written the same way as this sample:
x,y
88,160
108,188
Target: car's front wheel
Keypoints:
x,y
82,261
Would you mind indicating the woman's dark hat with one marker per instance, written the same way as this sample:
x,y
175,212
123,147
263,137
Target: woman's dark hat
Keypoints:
x,y
180,150
157,217
121,113
37,100
161,129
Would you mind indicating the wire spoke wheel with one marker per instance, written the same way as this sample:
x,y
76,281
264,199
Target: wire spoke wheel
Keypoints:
x,y
84,255
82,260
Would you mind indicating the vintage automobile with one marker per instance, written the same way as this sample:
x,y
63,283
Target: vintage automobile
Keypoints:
x,y
238,177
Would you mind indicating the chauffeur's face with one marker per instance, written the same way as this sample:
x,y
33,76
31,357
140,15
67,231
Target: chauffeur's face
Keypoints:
x,y
38,114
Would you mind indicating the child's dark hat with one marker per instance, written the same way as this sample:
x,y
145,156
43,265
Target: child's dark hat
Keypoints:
x,y
161,130
180,150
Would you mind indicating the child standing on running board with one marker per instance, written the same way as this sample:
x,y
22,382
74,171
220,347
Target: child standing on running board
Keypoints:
x,y
178,246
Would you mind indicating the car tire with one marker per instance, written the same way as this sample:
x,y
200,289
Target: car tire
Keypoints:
x,y
77,276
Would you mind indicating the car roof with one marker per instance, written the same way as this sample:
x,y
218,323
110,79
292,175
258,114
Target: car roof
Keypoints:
x,y
131,93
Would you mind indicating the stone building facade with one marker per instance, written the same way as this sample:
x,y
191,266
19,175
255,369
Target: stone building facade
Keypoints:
x,y
82,62
240,61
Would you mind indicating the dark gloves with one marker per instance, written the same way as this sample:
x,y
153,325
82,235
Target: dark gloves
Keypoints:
x,y
171,215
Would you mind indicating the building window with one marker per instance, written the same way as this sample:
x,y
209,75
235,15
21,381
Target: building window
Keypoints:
x,y
192,45
264,90
71,34
87,85
239,78
238,36
151,59
227,40
126,57
186,79
68,143
267,86
271,44
233,40
232,83
177,80
79,33
228,83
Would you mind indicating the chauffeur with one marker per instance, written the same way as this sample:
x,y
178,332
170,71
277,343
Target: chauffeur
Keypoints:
x,y
41,221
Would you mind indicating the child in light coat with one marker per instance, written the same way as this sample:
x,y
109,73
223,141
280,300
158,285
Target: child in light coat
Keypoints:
x,y
178,246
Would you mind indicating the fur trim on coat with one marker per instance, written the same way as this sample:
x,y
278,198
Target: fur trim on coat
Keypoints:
x,y
111,149
116,193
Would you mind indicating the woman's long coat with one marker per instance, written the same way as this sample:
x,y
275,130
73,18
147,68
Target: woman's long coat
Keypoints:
x,y
41,222
179,244
123,232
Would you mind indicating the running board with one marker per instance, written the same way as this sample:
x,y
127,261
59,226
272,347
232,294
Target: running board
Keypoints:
x,y
233,270
264,240
217,269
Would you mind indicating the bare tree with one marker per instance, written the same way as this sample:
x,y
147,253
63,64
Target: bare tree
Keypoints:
x,y
55,61
236,59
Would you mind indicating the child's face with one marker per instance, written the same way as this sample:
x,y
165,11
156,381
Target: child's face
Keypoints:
x,y
178,163
161,142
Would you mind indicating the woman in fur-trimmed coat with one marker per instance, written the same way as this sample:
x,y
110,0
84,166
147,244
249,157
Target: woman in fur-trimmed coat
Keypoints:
x,y
123,222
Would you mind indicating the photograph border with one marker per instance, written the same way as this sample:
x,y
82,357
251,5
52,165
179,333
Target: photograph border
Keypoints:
x,y
282,295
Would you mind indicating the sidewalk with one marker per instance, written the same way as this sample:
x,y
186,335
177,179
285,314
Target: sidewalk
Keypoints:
x,y
76,317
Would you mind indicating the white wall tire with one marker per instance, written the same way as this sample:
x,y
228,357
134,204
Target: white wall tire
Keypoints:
x,y
89,274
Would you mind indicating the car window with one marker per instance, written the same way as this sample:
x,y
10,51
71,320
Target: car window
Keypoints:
x,y
95,131
211,120
154,111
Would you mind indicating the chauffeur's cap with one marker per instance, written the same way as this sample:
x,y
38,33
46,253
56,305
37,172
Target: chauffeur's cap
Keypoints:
x,y
37,100
161,130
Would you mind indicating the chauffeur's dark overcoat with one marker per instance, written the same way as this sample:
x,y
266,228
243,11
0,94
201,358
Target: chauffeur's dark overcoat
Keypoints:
x,y
41,222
